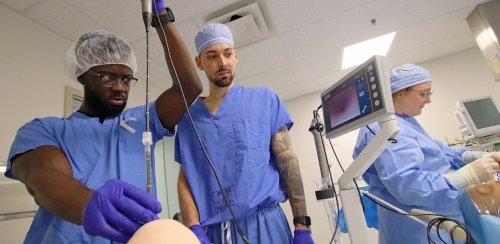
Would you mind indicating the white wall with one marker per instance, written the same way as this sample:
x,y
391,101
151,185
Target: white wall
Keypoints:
x,y
32,61
458,76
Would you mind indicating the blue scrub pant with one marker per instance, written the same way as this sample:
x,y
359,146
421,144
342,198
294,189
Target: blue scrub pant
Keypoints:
x,y
268,225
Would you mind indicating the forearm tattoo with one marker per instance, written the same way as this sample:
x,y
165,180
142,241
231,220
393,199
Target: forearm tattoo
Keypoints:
x,y
289,171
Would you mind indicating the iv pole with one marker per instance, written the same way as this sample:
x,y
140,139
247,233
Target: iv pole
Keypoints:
x,y
147,140
326,192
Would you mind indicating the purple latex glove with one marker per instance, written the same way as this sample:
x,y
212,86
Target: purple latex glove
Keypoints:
x,y
199,231
158,6
117,209
302,237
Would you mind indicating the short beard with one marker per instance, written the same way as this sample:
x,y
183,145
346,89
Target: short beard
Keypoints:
x,y
102,107
223,82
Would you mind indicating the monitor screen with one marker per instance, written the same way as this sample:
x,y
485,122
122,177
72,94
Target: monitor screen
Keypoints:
x,y
358,98
477,117
483,112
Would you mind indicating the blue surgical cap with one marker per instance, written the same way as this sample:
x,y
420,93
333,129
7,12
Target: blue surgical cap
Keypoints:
x,y
408,75
211,34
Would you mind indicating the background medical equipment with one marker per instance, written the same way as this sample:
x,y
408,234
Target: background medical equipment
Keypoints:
x,y
479,123
477,117
359,98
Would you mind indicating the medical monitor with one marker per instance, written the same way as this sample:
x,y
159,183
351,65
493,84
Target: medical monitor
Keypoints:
x,y
478,117
359,98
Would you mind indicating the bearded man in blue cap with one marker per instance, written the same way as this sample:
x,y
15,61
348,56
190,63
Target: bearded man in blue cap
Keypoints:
x,y
247,162
418,172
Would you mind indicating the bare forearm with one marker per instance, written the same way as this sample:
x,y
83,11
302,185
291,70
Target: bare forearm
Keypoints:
x,y
48,178
62,195
289,172
188,207
292,180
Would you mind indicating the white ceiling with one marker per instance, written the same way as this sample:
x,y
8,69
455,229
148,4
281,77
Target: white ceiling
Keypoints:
x,y
303,52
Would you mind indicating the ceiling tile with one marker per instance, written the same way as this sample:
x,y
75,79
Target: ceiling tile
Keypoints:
x,y
20,5
429,31
329,34
122,16
288,15
433,50
304,49
63,19
260,57
386,13
202,9
421,10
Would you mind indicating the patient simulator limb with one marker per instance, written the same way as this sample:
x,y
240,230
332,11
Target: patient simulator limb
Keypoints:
x,y
486,197
163,231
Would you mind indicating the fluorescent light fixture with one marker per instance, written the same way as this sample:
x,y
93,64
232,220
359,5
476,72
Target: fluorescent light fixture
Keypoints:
x,y
486,38
360,52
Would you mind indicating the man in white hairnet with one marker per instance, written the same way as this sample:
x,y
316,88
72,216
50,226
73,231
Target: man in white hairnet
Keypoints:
x,y
245,133
87,172
418,172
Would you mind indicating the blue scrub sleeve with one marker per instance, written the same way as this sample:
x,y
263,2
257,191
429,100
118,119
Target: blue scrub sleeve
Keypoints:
x,y
158,130
280,117
399,169
177,150
454,155
32,135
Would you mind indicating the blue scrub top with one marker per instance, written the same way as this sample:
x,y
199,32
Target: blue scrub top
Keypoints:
x,y
409,174
238,141
96,152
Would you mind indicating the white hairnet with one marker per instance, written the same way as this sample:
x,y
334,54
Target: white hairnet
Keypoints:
x,y
96,48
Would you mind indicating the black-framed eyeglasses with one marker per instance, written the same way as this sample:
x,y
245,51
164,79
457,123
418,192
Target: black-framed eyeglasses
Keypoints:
x,y
424,93
110,80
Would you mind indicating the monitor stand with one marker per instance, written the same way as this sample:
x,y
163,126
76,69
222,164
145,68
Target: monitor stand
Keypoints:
x,y
349,194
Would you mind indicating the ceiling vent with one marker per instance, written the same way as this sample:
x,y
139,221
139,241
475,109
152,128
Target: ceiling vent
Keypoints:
x,y
247,24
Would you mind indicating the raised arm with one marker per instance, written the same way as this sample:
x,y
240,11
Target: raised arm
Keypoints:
x,y
170,104
289,171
